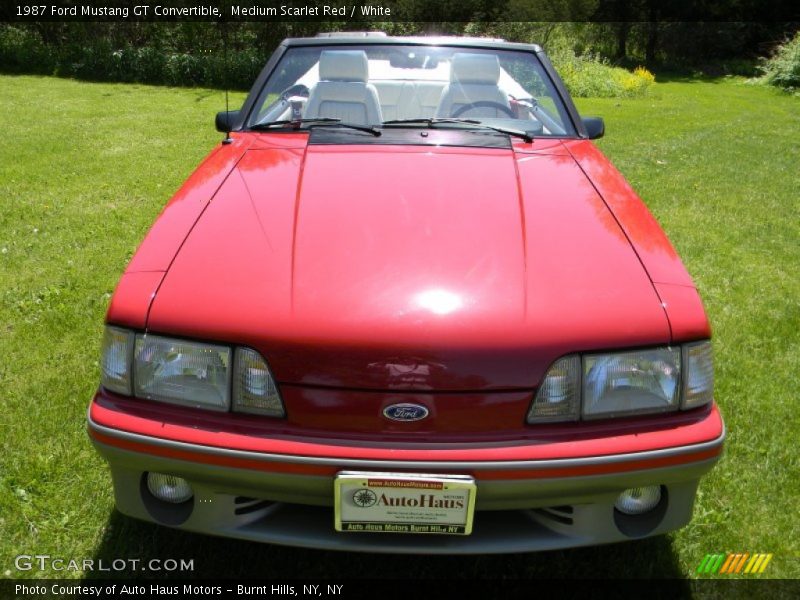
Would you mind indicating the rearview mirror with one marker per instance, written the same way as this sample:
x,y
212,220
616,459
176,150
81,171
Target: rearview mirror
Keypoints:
x,y
595,127
225,120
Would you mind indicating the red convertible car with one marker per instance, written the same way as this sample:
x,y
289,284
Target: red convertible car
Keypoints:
x,y
407,306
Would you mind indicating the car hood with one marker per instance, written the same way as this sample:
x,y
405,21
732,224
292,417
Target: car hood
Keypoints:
x,y
395,267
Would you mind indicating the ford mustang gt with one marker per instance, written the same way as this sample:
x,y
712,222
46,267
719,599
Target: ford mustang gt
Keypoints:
x,y
407,305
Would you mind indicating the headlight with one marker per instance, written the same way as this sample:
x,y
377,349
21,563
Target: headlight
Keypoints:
x,y
698,387
115,360
193,374
642,381
182,372
254,389
618,384
558,398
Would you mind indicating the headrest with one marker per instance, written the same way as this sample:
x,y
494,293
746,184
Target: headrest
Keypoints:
x,y
343,65
475,68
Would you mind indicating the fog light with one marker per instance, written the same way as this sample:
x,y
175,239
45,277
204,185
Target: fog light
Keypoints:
x,y
636,501
169,488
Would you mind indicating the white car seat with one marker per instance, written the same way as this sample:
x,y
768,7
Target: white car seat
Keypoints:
x,y
343,92
473,78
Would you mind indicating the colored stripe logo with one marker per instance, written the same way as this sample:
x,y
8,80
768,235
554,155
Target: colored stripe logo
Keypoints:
x,y
733,563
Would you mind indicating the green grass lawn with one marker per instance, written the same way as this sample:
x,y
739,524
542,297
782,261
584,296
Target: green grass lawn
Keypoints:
x,y
85,169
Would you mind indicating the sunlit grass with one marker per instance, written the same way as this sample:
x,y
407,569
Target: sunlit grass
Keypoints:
x,y
85,169
717,163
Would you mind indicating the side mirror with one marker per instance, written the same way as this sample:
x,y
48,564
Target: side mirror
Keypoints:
x,y
225,120
594,127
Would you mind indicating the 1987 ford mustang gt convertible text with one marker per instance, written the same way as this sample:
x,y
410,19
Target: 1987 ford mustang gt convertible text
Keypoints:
x,y
407,306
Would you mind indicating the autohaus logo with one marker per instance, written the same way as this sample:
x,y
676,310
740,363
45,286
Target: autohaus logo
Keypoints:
x,y
405,412
364,498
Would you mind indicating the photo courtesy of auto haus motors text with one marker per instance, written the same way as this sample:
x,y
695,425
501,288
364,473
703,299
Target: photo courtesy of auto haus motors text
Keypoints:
x,y
193,590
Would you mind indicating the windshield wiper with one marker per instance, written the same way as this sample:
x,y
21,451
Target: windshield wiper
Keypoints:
x,y
316,122
431,122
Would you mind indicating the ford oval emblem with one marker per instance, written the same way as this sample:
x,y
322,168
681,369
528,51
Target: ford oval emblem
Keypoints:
x,y
405,412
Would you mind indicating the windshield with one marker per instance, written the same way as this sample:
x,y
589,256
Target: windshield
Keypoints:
x,y
395,86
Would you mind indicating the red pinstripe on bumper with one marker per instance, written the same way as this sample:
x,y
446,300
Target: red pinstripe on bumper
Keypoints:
x,y
694,442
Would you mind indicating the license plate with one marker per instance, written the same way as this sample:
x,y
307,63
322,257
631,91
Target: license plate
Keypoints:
x,y
404,503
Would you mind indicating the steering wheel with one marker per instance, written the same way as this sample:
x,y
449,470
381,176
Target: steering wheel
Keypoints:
x,y
296,90
484,104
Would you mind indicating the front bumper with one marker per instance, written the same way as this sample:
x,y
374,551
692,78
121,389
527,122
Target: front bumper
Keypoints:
x,y
522,505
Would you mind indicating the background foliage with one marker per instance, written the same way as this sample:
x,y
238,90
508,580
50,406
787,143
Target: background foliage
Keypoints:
x,y
589,55
782,69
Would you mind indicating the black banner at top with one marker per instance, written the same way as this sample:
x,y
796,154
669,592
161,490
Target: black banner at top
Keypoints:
x,y
366,11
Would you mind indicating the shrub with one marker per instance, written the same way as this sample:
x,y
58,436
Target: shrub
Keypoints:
x,y
148,65
636,83
782,69
184,69
588,76
23,52
95,62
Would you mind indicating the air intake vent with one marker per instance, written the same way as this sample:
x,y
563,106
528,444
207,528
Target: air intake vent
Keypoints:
x,y
245,505
559,514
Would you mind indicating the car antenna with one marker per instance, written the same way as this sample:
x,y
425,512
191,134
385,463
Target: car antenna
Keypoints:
x,y
228,139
